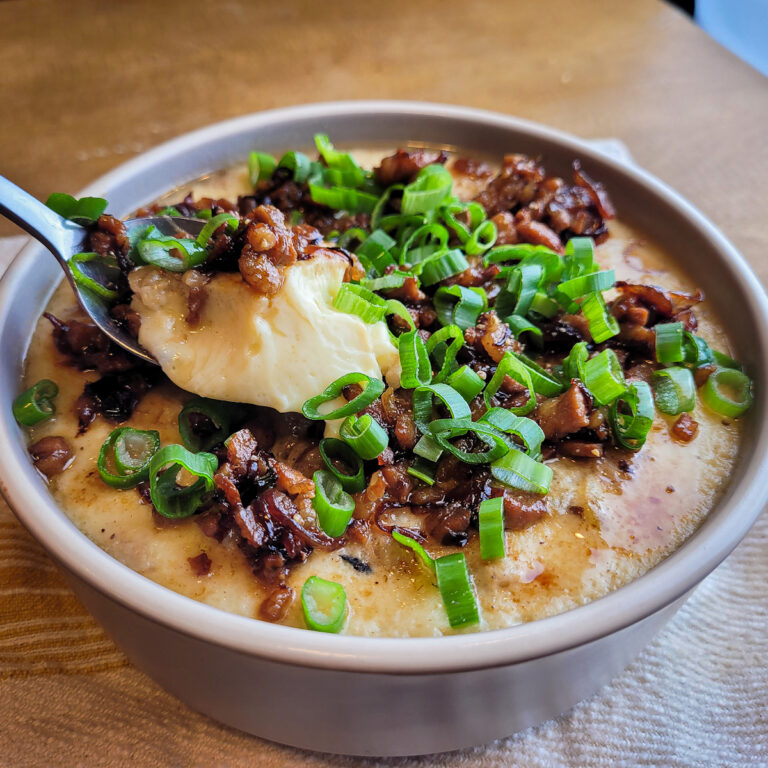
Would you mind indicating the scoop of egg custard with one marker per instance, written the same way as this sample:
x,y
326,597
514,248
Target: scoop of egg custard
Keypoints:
x,y
267,334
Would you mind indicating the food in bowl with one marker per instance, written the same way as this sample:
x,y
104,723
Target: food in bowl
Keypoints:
x,y
391,402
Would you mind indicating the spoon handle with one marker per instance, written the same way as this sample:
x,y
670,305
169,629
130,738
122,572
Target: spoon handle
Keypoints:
x,y
59,236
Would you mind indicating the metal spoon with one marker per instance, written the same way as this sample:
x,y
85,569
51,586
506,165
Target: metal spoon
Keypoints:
x,y
64,239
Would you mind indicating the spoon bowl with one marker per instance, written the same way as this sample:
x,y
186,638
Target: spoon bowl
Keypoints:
x,y
64,238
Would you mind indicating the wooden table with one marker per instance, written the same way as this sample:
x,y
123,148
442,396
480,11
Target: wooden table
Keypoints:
x,y
86,85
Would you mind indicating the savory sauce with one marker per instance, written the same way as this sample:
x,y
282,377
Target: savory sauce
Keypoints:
x,y
609,520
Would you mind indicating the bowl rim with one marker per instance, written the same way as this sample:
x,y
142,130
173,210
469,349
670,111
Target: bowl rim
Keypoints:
x,y
662,585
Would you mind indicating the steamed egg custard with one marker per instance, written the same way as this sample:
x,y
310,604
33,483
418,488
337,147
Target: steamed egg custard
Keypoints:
x,y
249,348
399,394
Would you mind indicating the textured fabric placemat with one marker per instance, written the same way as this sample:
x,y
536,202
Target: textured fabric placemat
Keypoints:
x,y
697,696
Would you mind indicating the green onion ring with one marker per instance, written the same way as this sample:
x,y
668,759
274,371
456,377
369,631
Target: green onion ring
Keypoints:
x,y
434,343
364,435
130,459
444,430
511,366
449,397
490,522
675,390
169,499
414,360
324,604
36,403
518,470
333,505
630,430
108,267
456,590
669,342
261,166
457,305
714,396
602,324
373,388
333,448
604,377
466,382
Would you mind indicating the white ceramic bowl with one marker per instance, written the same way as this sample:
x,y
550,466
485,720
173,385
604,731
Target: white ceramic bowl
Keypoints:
x,y
388,696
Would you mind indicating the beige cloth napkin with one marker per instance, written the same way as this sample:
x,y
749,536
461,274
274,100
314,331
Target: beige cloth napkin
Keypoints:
x,y
697,696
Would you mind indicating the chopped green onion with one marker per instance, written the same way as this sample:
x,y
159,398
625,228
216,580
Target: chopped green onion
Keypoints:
x,y
427,192
386,282
36,404
476,216
298,163
630,430
333,448
449,397
518,470
170,253
516,252
544,382
219,414
414,360
466,382
422,243
427,448
343,198
511,366
416,547
490,521
350,236
726,362
373,388
580,286
669,343
543,305
356,300
333,505
214,223
526,430
324,604
101,273
374,252
444,430
696,350
728,392
443,265
365,435
602,324
457,305
456,590
173,211
437,346
125,456
423,470
261,166
482,238
579,258
82,211
573,365
340,164
520,325
170,499
604,377
675,390
395,307
524,282
378,211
